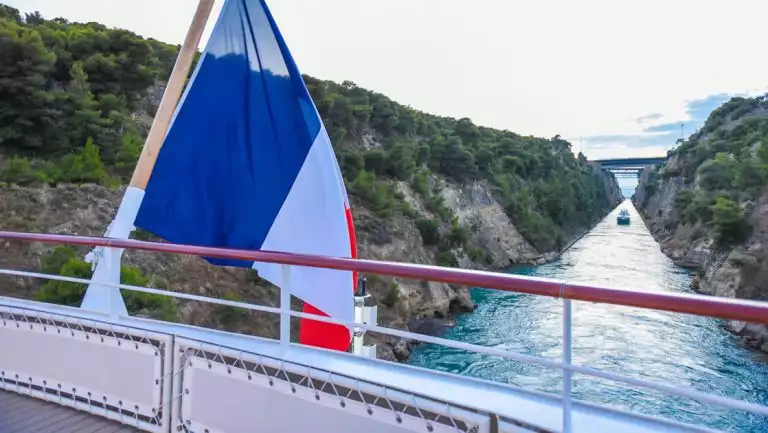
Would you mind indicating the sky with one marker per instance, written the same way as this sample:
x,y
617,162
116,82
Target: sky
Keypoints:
x,y
621,74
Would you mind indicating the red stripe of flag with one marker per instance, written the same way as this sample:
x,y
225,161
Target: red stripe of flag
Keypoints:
x,y
329,335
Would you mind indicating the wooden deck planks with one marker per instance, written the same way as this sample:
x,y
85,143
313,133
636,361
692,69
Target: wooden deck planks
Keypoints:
x,y
22,414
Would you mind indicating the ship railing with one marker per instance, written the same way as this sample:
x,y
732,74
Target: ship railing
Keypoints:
x,y
162,376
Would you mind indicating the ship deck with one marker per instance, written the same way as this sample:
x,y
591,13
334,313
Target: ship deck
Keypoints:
x,y
21,414
163,376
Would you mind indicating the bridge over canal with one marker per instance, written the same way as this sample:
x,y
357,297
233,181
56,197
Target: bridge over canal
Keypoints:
x,y
629,167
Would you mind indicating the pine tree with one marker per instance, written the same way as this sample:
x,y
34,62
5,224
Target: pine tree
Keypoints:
x,y
24,109
84,120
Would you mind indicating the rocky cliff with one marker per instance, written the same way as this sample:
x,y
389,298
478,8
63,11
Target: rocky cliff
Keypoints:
x,y
707,206
406,304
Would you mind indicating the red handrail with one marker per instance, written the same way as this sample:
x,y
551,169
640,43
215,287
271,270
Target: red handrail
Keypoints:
x,y
736,309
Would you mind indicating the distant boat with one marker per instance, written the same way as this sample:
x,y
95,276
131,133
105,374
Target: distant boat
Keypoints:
x,y
623,218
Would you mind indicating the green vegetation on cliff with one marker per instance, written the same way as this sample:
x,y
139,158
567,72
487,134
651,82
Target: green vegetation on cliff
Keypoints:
x,y
707,206
63,83
724,168
545,189
70,94
65,261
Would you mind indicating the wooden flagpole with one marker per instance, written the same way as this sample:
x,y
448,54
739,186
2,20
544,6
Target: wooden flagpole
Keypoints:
x,y
171,96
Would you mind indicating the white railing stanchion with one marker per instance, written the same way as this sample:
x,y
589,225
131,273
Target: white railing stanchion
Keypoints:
x,y
364,314
106,261
567,374
116,302
358,333
285,306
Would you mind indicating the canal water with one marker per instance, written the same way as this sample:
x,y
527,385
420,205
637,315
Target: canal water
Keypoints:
x,y
676,349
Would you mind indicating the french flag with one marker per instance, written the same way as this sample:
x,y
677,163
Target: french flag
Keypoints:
x,y
247,164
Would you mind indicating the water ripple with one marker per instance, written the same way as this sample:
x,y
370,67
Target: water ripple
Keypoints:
x,y
676,349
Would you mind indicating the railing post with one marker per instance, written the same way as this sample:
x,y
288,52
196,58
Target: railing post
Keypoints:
x,y
567,374
106,261
115,297
365,314
285,305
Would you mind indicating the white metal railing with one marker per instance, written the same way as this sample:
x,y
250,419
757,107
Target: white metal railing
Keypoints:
x,y
567,374
113,371
567,423
308,386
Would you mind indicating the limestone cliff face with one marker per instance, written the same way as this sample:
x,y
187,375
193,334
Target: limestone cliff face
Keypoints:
x,y
488,224
612,190
397,239
87,210
406,304
740,271
714,183
655,198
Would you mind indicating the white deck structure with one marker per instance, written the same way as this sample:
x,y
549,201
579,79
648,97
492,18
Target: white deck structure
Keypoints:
x,y
166,377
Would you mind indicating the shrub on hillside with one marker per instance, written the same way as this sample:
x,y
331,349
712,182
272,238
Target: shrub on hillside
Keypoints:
x,y
683,199
446,258
375,161
751,177
717,173
52,262
159,306
699,208
729,223
537,228
420,184
378,195
230,315
63,292
128,154
458,236
85,166
65,262
430,234
478,255
19,171
392,295
351,165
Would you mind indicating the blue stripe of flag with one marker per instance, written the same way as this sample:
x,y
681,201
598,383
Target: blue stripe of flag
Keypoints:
x,y
237,141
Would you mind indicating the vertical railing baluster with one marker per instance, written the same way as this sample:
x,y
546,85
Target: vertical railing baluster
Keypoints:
x,y
567,374
112,257
285,306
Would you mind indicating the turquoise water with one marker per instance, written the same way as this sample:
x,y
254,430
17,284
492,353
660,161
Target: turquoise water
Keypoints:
x,y
671,348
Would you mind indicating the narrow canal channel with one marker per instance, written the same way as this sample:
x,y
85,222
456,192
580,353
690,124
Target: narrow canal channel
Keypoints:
x,y
670,348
